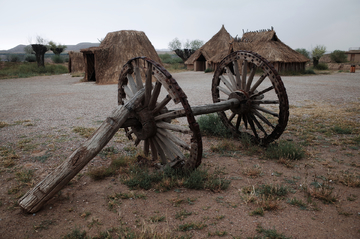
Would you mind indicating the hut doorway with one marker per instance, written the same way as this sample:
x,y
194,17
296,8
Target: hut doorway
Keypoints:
x,y
90,67
200,63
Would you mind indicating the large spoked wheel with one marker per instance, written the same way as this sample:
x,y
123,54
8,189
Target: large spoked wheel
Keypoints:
x,y
264,108
168,144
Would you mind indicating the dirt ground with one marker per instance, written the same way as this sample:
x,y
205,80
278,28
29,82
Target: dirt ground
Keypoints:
x,y
37,119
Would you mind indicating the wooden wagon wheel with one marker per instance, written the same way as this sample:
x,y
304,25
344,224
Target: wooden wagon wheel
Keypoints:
x,y
174,145
264,108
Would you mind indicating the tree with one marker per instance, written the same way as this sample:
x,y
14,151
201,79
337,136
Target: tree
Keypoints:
x,y
57,49
303,52
338,56
185,50
317,53
40,48
28,50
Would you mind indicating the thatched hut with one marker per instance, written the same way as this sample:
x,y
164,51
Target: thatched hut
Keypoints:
x,y
76,62
211,53
104,63
268,45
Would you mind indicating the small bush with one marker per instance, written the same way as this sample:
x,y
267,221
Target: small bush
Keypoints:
x,y
211,124
14,58
30,58
285,149
309,72
208,70
57,59
170,59
321,66
342,130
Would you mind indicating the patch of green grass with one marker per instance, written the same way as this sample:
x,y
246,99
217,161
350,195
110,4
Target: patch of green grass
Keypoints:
x,y
269,233
76,234
169,178
29,69
85,132
286,150
24,176
192,226
212,125
113,169
181,215
224,146
257,212
108,151
157,218
342,130
297,202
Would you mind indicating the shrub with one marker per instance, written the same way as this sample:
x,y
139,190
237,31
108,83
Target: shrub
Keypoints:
x,y
321,66
338,56
303,52
57,59
309,72
14,58
285,149
30,58
211,124
170,59
208,70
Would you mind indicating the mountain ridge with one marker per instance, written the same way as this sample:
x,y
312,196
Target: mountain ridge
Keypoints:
x,y
77,47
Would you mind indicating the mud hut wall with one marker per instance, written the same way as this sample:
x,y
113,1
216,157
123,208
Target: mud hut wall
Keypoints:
x,y
353,57
76,62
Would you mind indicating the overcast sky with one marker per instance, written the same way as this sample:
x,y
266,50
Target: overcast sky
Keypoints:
x,y
298,23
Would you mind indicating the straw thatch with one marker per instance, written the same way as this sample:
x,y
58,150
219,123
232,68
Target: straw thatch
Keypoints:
x,y
76,62
211,53
104,63
268,45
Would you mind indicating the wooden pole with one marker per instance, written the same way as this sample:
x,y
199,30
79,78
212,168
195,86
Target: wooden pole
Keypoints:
x,y
35,198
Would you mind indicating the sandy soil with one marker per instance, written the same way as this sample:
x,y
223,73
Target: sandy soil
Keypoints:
x,y
40,113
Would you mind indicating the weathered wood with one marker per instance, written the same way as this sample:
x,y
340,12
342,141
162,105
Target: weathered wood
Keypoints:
x,y
173,127
231,77
155,95
243,75
35,198
132,83
224,90
200,110
258,82
162,104
227,83
174,139
237,74
148,84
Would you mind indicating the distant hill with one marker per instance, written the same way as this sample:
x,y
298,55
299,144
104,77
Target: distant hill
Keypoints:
x,y
77,47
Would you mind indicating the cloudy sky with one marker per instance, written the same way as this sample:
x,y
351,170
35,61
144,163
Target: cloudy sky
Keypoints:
x,y
298,23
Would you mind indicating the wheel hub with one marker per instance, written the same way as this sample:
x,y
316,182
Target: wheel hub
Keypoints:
x,y
245,102
147,128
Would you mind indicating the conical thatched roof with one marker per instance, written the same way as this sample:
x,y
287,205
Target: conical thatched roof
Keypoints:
x,y
116,49
268,45
215,49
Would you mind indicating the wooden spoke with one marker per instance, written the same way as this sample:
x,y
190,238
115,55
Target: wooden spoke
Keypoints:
x,y
162,104
266,110
128,92
132,83
249,115
251,77
227,84
137,142
258,82
173,127
170,147
146,147
154,152
237,74
265,120
252,125
139,83
245,121
174,139
232,116
224,90
155,95
238,121
148,84
159,151
262,92
253,118
243,75
231,78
